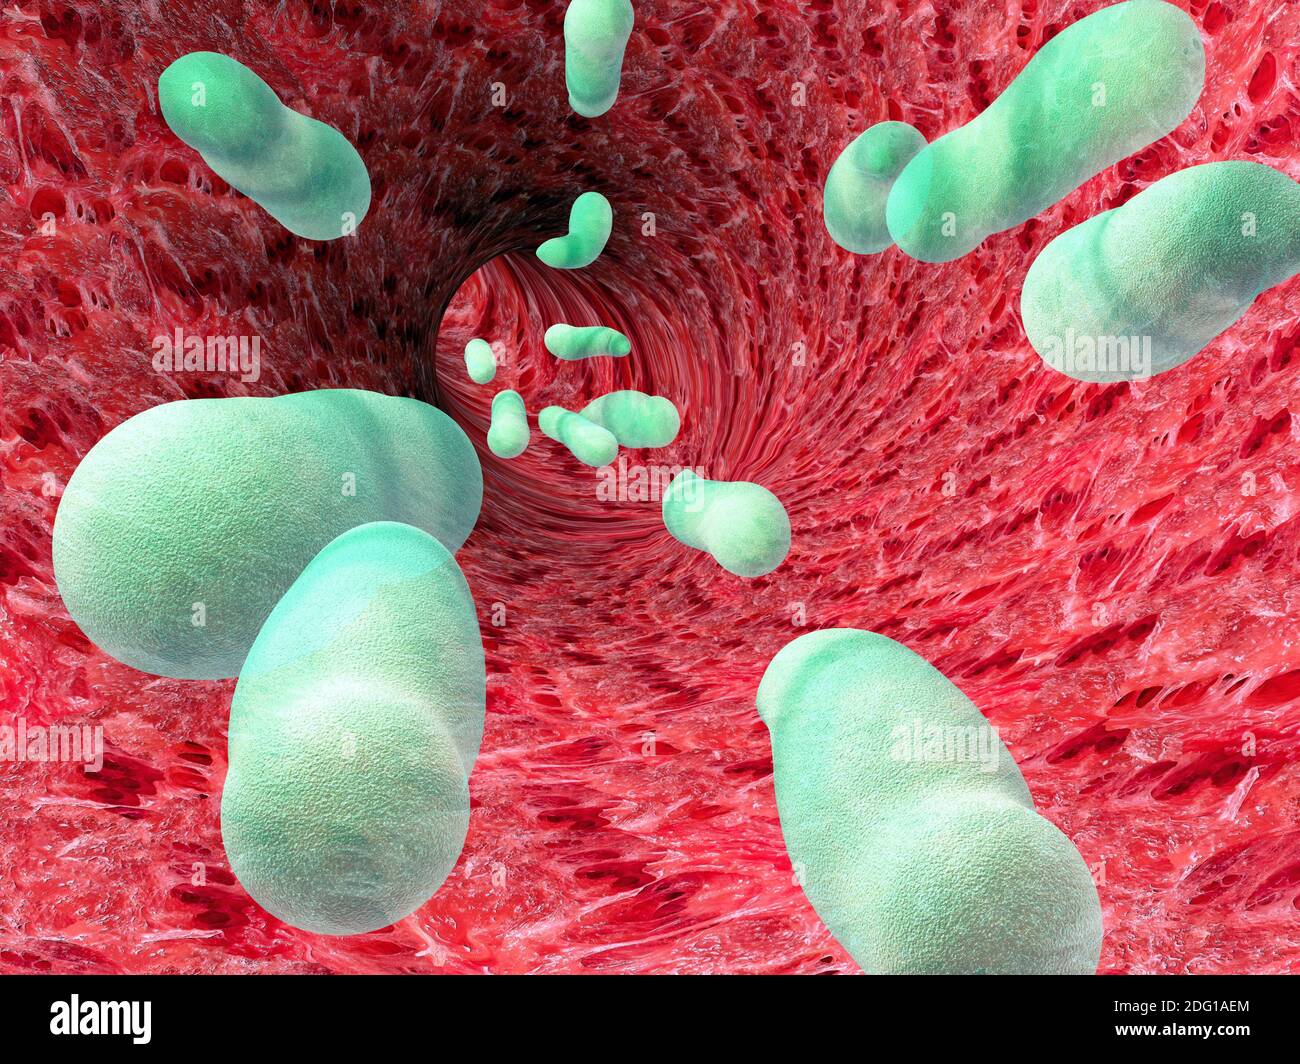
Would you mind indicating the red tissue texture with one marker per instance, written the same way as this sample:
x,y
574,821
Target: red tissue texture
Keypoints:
x,y
1108,571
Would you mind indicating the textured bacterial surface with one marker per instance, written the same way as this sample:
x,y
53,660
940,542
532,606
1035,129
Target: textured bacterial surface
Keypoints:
x,y
914,832
1107,571
225,501
353,730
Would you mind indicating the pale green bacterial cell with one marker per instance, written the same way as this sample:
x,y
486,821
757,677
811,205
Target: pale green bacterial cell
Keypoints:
x,y
635,419
480,361
181,529
1142,288
915,834
857,187
303,173
1099,90
586,441
742,525
591,220
353,729
572,342
595,36
508,434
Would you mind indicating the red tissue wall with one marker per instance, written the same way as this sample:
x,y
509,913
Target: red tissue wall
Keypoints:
x,y
1107,570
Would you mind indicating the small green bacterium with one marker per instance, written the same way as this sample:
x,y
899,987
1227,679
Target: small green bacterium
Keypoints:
x,y
591,220
635,419
480,361
573,342
742,525
508,434
586,441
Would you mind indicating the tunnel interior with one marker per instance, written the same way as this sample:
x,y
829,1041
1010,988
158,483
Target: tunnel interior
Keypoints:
x,y
1106,570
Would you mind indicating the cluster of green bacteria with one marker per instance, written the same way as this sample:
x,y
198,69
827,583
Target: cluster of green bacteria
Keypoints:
x,y
305,543
742,525
1132,292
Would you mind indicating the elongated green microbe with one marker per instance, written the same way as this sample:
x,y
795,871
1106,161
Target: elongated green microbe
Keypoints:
x,y
353,730
591,220
1142,288
480,362
915,834
635,419
586,441
572,342
857,187
181,528
743,525
595,36
1099,90
303,173
508,434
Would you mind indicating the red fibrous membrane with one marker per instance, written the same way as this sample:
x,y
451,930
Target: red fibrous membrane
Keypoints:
x,y
1108,571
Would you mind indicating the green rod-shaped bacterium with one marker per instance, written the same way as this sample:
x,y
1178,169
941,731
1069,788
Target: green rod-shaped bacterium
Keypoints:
x,y
586,441
1142,288
857,187
302,172
591,220
353,730
572,342
635,419
480,361
742,525
595,36
1099,90
181,528
916,836
508,434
